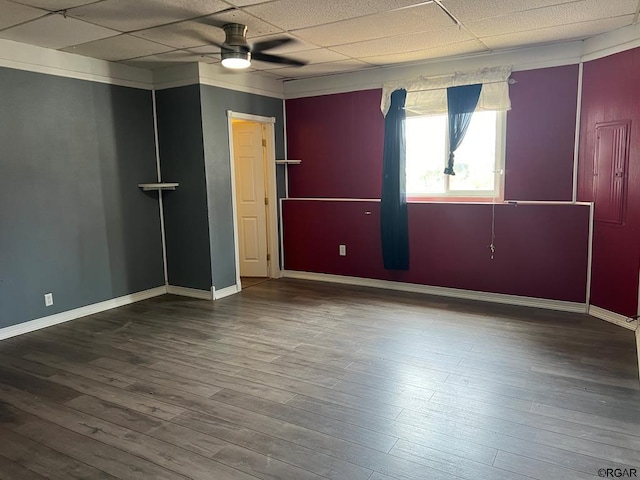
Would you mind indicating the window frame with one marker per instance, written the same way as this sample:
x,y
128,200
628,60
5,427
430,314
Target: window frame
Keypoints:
x,y
471,196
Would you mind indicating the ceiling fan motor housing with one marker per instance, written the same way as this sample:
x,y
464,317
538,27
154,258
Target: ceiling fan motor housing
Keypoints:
x,y
236,35
236,53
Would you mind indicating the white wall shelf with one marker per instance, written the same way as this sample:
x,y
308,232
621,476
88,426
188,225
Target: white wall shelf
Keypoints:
x,y
288,162
157,186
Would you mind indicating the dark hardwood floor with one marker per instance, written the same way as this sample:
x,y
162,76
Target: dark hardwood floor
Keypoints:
x,y
302,380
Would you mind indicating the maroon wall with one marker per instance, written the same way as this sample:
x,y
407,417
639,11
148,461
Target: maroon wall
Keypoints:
x,y
340,138
611,92
541,250
541,134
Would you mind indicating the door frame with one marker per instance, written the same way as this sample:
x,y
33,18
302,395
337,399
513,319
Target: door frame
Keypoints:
x,y
273,267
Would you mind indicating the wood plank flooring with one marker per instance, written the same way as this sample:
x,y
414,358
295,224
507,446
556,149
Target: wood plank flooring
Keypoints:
x,y
302,380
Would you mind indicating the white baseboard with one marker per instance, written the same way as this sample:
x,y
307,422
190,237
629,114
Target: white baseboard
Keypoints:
x,y
62,317
612,317
190,292
442,291
638,349
225,292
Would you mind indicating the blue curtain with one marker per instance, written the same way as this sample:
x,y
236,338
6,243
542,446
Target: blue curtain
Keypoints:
x,y
461,102
393,209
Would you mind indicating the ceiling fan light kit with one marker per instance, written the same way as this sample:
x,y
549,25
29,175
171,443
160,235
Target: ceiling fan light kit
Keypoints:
x,y
236,53
236,60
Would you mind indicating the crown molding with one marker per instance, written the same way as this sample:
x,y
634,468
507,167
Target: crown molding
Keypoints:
x,y
21,56
521,59
612,42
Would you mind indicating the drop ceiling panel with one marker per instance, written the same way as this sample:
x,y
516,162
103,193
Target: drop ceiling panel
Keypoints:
x,y
118,48
564,14
168,59
55,31
294,14
211,50
183,35
449,50
196,33
54,5
466,10
409,20
256,27
244,3
122,15
14,14
404,43
554,34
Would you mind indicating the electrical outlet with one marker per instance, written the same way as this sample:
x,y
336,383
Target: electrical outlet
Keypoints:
x,y
48,299
343,250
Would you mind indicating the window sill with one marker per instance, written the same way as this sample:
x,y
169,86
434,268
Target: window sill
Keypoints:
x,y
454,199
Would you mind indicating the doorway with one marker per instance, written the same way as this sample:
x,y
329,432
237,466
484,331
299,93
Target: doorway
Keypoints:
x,y
252,154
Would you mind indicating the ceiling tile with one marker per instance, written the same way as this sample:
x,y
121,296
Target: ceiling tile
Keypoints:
x,y
183,35
244,3
212,50
196,33
404,43
318,69
168,59
118,48
409,20
294,14
555,34
466,10
449,50
565,14
121,15
54,5
256,26
55,31
14,14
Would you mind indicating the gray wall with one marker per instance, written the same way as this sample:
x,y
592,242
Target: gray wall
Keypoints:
x,y
72,220
215,103
185,209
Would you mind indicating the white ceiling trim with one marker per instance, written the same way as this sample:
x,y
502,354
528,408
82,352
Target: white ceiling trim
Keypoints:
x,y
21,56
612,42
521,59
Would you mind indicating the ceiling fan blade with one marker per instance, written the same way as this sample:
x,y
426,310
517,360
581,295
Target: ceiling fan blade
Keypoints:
x,y
269,44
264,57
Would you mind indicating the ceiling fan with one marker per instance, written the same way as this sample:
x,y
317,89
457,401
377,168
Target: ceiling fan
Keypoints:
x,y
236,52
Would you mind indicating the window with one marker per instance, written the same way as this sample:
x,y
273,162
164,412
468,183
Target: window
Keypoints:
x,y
478,160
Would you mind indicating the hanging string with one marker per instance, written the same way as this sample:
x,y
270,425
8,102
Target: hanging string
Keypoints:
x,y
492,245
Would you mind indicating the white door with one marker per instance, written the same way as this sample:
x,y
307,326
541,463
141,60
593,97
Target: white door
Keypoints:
x,y
249,154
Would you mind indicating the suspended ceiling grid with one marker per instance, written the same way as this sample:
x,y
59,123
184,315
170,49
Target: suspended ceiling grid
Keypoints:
x,y
333,36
